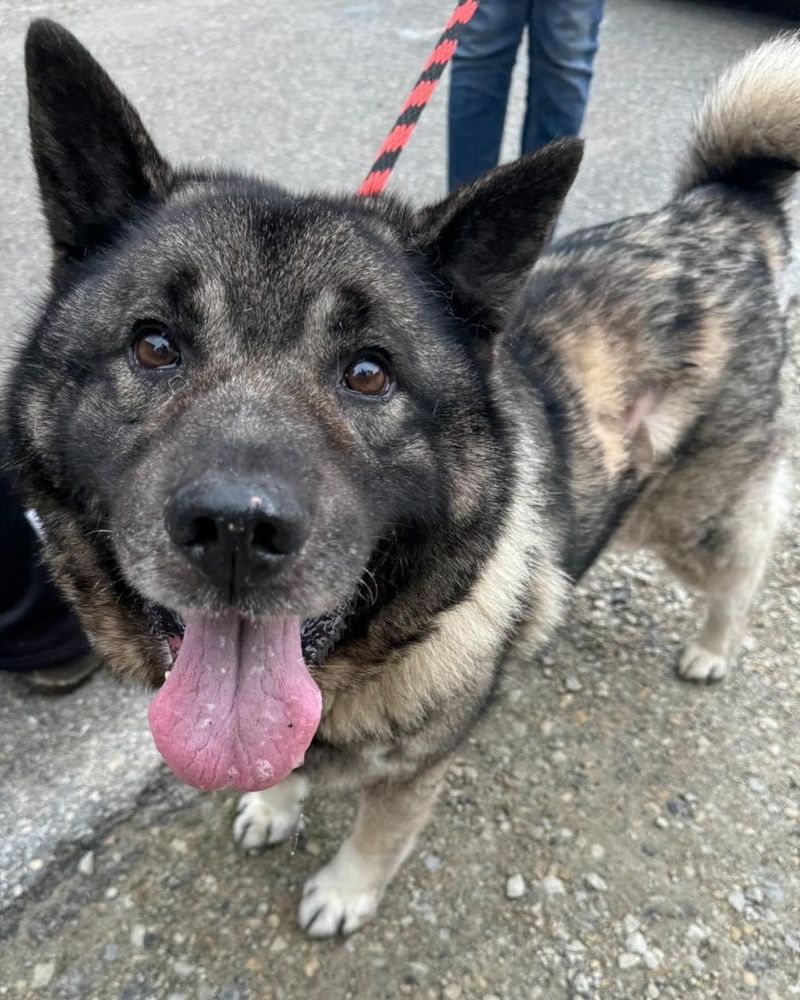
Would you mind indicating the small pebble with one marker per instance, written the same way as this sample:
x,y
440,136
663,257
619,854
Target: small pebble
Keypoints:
x,y
573,684
630,923
452,992
138,935
696,933
754,894
582,985
553,886
737,900
652,958
619,596
598,852
636,943
596,882
775,893
182,969
515,887
36,864
696,963
86,864
627,960
749,979
43,973
432,862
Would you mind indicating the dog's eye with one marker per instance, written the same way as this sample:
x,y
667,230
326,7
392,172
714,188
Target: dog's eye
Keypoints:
x,y
368,377
152,348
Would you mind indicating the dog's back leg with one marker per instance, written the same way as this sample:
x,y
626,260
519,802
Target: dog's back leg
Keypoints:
x,y
726,564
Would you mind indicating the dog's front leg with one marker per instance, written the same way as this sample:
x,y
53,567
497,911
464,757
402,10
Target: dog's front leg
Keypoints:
x,y
345,893
267,818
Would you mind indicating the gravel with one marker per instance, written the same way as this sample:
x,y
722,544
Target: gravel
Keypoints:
x,y
596,882
552,886
86,864
515,887
636,943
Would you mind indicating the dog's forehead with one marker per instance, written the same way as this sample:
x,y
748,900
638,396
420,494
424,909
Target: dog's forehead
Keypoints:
x,y
262,262
260,231
263,256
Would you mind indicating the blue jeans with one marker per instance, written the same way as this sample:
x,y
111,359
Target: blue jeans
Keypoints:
x,y
562,41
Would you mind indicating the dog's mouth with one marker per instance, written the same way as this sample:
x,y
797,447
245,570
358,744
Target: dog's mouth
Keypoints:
x,y
239,707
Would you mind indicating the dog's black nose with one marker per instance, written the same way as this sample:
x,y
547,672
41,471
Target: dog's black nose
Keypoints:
x,y
237,531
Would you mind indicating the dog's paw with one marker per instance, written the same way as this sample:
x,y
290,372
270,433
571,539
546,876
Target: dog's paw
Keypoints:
x,y
340,898
700,665
267,818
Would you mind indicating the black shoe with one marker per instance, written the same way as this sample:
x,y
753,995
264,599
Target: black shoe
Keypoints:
x,y
64,678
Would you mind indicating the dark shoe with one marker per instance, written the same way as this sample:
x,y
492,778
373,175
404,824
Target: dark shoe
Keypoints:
x,y
63,678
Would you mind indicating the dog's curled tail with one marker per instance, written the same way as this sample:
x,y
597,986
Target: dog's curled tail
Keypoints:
x,y
747,131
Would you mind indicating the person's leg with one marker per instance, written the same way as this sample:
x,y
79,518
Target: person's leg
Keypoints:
x,y
481,76
39,635
562,40
17,551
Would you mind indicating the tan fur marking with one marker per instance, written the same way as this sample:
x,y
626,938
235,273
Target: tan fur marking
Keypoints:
x,y
713,349
596,372
458,657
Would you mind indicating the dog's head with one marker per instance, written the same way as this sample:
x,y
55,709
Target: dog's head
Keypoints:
x,y
236,394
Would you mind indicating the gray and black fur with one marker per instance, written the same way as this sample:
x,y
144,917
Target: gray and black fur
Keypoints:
x,y
626,388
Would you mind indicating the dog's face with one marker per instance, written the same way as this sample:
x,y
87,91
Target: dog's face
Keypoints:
x,y
236,394
278,390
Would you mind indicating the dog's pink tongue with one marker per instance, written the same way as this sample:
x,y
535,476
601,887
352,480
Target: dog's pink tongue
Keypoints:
x,y
239,707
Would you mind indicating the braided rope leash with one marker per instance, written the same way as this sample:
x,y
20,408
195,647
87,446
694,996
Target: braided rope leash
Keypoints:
x,y
397,140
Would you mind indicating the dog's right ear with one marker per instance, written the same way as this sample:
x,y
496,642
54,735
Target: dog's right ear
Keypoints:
x,y
484,238
96,164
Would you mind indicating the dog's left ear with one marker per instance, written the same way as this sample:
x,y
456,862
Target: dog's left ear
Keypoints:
x,y
96,164
483,239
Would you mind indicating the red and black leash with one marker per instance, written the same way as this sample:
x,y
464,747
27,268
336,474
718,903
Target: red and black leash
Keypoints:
x,y
397,140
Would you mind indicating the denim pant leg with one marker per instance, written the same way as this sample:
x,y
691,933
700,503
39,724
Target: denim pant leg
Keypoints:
x,y
563,37
481,76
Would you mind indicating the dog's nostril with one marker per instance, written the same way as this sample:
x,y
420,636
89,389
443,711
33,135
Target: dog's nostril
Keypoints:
x,y
265,538
204,531
275,536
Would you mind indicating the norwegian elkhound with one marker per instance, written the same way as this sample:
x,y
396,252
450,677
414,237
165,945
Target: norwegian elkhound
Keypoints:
x,y
312,464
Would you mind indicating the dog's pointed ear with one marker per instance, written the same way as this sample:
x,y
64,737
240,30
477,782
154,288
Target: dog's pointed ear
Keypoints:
x,y
96,164
483,239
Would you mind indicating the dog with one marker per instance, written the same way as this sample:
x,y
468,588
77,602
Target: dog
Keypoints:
x,y
314,466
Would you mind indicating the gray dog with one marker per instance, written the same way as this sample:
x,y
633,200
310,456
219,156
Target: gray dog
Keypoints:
x,y
312,465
